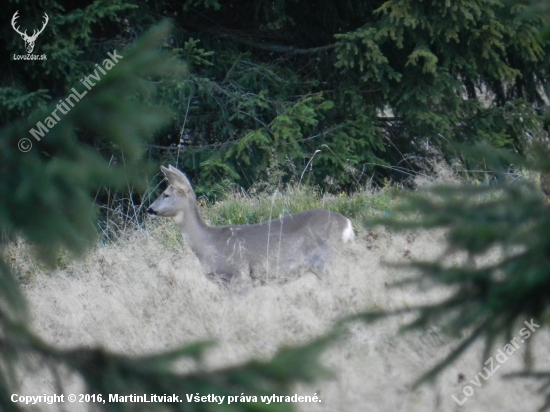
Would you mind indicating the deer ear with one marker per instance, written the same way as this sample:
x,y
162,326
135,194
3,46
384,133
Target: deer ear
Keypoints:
x,y
177,178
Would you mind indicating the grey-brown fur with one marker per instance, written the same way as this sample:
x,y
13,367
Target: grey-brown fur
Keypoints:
x,y
274,250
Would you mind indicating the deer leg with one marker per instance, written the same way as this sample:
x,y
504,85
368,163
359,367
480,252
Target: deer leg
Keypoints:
x,y
319,260
220,279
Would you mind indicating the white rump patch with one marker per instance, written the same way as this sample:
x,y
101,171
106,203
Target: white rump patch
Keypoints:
x,y
347,234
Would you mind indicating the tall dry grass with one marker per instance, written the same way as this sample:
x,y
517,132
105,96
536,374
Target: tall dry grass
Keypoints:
x,y
145,292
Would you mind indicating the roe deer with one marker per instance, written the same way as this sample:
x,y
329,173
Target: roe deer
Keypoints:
x,y
254,253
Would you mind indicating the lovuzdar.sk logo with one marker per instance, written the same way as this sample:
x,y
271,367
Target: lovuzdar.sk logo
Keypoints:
x,y
29,40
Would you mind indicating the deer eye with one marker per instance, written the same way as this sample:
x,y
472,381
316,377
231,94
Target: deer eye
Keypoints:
x,y
165,195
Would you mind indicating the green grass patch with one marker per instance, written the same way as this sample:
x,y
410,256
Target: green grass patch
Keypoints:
x,y
245,209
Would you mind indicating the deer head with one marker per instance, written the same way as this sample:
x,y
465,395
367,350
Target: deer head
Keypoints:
x,y
29,40
178,198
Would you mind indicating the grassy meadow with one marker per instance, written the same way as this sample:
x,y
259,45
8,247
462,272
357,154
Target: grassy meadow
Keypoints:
x,y
144,292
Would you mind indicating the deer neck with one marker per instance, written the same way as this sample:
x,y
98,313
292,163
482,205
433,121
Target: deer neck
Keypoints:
x,y
195,231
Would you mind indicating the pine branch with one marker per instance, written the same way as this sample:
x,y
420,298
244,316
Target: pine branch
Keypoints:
x,y
280,49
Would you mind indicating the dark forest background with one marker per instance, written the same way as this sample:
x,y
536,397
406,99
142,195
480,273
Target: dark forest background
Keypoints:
x,y
349,92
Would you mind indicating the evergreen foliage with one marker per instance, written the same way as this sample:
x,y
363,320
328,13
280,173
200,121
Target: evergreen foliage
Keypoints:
x,y
491,297
388,80
46,196
270,83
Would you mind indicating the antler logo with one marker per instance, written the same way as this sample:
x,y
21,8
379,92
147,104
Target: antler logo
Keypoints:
x,y
29,40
